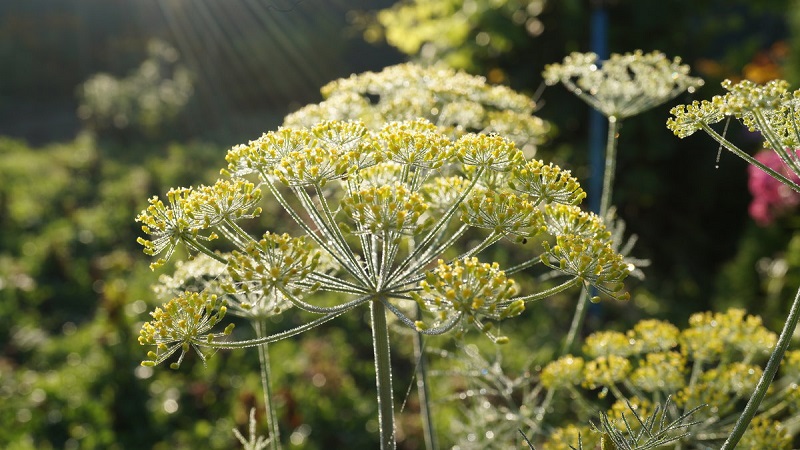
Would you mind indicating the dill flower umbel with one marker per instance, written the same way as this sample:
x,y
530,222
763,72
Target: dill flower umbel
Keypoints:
x,y
379,216
183,322
625,84
454,101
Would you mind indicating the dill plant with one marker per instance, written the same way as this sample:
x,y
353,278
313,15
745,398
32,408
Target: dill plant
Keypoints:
x,y
382,215
772,110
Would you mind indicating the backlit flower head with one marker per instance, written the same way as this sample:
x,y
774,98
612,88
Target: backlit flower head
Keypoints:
x,y
546,183
168,225
225,200
181,323
502,212
568,219
564,372
652,335
471,288
604,343
443,192
605,371
454,101
387,210
692,117
660,372
277,262
491,152
417,144
196,274
591,260
711,335
261,155
625,84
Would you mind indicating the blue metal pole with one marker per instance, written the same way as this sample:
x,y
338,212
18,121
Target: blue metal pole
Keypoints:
x,y
597,122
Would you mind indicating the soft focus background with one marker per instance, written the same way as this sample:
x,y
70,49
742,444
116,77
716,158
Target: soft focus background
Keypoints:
x,y
106,103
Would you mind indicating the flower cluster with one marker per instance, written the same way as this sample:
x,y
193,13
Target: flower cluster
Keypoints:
x,y
469,288
710,365
454,101
380,208
625,84
769,109
183,322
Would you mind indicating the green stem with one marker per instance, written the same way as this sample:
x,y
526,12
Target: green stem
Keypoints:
x,y
548,292
610,167
750,160
383,374
770,370
422,391
203,342
577,321
266,386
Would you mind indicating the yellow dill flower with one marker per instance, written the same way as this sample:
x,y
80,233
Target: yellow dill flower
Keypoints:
x,y
662,372
546,183
471,289
416,143
765,434
183,322
604,343
502,212
564,372
653,335
625,84
386,211
605,371
168,225
491,152
570,219
593,261
567,438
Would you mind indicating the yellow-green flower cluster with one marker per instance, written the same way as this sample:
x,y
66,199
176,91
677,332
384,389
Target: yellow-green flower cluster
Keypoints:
x,y
404,194
181,323
605,371
454,101
470,288
168,225
416,143
277,262
769,108
765,434
564,372
546,183
625,84
595,262
655,359
604,343
386,211
224,201
720,387
569,219
490,152
503,212
660,372
712,336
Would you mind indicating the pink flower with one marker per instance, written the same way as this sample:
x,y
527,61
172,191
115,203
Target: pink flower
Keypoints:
x,y
771,198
